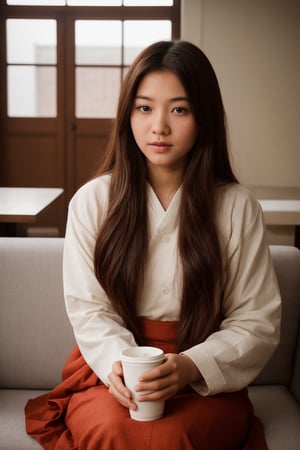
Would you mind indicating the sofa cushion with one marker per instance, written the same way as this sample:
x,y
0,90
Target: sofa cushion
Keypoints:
x,y
12,430
274,405
35,334
280,415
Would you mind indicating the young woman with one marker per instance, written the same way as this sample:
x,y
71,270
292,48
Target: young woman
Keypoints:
x,y
164,248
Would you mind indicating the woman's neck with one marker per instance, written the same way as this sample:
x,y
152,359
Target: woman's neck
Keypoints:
x,y
165,184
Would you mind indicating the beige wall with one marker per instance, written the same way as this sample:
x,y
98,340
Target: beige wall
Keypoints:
x,y
254,47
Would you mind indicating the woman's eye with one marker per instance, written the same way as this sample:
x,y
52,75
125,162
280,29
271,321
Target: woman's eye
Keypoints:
x,y
143,108
180,110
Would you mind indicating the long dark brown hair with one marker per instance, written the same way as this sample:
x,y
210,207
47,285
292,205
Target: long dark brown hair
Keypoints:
x,y
122,244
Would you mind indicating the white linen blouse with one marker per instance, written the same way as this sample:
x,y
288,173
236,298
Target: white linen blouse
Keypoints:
x,y
230,358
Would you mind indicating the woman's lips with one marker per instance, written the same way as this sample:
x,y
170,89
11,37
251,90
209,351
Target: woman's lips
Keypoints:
x,y
160,147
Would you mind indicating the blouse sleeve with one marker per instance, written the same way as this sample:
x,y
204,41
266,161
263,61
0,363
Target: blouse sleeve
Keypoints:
x,y
99,331
232,357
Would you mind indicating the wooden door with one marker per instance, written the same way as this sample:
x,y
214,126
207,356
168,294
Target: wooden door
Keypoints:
x,y
61,145
32,105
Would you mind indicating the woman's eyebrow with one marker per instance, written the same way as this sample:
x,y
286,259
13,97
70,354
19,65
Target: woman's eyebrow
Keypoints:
x,y
175,99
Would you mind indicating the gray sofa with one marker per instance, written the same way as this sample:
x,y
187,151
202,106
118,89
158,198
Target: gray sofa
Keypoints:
x,y
36,338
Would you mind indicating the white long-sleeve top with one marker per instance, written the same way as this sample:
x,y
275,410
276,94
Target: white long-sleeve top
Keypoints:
x,y
230,358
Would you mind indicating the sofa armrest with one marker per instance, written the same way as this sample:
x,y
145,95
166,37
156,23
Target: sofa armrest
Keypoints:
x,y
279,369
35,334
295,382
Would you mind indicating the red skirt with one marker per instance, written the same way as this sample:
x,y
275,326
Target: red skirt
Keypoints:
x,y
81,414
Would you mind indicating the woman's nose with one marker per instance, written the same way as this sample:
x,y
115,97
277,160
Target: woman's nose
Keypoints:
x,y
160,126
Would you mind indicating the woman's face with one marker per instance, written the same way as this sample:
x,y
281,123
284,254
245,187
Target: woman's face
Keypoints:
x,y
162,123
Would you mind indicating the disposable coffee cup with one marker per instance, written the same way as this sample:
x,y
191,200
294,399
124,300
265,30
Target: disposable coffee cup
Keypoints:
x,y
136,361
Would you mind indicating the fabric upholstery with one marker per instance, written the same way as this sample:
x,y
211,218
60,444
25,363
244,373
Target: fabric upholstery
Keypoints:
x,y
12,428
36,338
35,334
280,415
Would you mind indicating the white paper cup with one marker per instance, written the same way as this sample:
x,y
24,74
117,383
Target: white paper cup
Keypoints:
x,y
135,362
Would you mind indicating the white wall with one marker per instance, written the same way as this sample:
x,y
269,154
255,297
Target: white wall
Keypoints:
x,y
254,47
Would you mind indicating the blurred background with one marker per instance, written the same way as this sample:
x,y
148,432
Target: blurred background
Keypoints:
x,y
62,63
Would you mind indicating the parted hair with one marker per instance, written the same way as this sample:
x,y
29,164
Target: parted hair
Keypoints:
x,y
121,249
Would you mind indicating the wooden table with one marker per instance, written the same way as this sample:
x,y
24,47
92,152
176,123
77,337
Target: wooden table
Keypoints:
x,y
24,205
281,206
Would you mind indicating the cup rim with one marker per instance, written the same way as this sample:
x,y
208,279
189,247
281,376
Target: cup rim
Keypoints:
x,y
157,354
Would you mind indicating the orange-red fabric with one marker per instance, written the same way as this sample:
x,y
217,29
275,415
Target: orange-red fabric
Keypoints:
x,y
81,414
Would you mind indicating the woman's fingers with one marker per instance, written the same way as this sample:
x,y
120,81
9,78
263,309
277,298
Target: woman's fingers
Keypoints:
x,y
117,368
117,387
167,379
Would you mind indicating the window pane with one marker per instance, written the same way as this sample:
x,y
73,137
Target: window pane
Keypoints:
x,y
98,42
140,33
148,2
97,91
36,2
94,2
31,91
31,41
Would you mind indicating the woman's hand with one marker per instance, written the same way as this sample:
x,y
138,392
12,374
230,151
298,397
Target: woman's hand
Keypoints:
x,y
163,381
167,379
117,387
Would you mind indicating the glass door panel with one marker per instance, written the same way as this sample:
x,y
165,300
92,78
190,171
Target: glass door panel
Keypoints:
x,y
98,42
31,91
94,2
36,2
30,40
31,67
138,34
147,2
98,61
97,90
